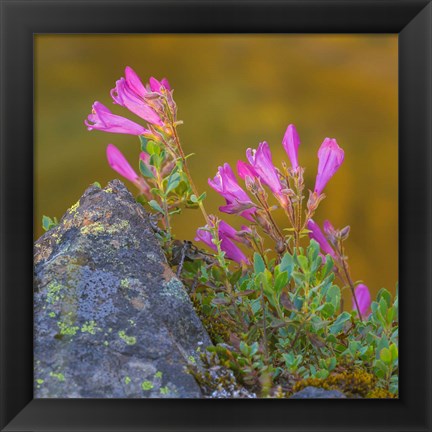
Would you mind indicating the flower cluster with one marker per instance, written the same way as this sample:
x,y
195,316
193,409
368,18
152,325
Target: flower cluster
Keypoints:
x,y
261,176
153,103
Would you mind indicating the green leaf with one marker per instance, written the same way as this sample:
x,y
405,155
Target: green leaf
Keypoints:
x,y
328,310
280,282
333,296
394,352
173,182
287,264
153,148
259,265
384,294
48,223
328,267
244,349
386,356
143,143
145,170
155,206
337,326
202,197
313,251
303,262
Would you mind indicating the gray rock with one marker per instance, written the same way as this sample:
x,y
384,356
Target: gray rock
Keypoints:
x,y
111,319
318,393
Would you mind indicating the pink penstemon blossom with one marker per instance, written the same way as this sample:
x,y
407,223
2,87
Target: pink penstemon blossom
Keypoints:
x,y
364,300
291,143
119,163
317,235
124,96
237,200
227,235
103,119
330,158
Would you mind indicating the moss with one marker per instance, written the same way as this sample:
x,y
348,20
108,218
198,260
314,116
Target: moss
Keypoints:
x,y
129,340
147,385
217,329
379,393
354,383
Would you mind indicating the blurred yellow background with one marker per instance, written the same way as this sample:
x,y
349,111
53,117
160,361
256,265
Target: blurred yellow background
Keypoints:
x,y
232,92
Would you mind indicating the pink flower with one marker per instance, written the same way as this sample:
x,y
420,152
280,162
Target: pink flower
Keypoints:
x,y
330,157
129,92
226,234
291,142
363,299
261,162
237,200
317,235
155,85
119,163
102,119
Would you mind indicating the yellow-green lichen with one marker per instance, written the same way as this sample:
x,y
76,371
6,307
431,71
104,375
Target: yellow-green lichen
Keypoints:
x,y
164,390
59,376
158,374
89,327
127,380
99,228
147,385
53,292
73,209
52,314
129,340
40,381
66,329
124,283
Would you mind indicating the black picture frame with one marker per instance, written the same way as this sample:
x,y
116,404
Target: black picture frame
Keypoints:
x,y
20,20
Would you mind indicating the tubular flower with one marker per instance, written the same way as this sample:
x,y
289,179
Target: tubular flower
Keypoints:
x,y
118,163
102,119
261,163
363,299
129,93
237,200
291,143
330,158
155,85
317,235
226,234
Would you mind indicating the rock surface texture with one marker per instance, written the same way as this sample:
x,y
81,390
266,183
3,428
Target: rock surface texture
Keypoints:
x,y
111,319
318,393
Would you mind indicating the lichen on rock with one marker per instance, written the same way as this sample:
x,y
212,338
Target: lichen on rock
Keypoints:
x,y
111,318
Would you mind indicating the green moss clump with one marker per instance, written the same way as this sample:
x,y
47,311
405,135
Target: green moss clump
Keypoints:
x,y
354,383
